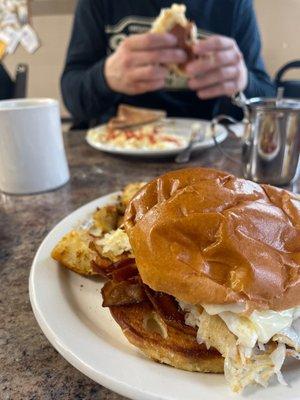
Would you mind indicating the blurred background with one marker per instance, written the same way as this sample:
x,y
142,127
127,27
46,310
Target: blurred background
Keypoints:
x,y
52,20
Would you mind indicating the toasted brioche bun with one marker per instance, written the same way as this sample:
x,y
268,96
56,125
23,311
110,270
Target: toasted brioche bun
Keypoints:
x,y
178,349
171,20
205,236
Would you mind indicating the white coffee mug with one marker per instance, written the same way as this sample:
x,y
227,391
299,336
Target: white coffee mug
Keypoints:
x,y
32,154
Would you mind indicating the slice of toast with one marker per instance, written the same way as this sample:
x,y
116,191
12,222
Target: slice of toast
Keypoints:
x,y
129,116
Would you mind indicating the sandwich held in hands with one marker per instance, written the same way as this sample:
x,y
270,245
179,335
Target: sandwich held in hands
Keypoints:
x,y
214,66
173,20
139,63
213,279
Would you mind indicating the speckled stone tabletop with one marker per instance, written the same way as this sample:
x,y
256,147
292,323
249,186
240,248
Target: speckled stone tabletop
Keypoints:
x,y
30,368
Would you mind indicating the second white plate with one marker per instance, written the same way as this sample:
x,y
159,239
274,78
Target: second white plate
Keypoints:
x,y
176,126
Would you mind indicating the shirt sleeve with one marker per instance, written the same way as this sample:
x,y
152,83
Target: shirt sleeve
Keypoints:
x,y
246,33
247,36
84,88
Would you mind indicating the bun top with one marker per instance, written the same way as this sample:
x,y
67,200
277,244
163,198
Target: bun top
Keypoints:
x,y
205,236
169,17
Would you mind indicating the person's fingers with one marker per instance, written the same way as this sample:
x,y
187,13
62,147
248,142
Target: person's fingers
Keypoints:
x,y
213,43
167,56
213,61
148,86
227,88
147,73
214,77
149,41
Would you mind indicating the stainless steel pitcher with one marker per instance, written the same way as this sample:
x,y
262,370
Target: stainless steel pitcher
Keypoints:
x,y
271,140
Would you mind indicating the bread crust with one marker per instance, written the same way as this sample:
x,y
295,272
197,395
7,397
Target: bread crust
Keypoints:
x,y
129,117
178,349
205,236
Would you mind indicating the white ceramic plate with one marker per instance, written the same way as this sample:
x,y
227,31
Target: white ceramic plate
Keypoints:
x,y
176,126
68,309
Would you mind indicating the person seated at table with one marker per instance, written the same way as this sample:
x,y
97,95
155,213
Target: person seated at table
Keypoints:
x,y
112,59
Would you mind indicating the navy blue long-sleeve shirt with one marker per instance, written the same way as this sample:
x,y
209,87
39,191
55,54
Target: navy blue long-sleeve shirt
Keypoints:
x,y
100,25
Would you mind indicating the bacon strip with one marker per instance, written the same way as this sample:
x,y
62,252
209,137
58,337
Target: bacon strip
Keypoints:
x,y
125,273
125,287
183,36
167,307
107,270
122,293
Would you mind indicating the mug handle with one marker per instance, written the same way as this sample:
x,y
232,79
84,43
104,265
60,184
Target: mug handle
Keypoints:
x,y
218,121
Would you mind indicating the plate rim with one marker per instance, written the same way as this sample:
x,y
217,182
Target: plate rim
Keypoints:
x,y
111,382
117,386
144,153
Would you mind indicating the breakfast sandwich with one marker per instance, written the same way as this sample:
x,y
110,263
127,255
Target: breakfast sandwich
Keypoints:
x,y
173,20
213,280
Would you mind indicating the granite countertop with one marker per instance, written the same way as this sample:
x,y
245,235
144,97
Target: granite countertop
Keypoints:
x,y
30,368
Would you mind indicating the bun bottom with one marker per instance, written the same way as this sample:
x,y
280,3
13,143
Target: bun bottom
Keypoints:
x,y
178,349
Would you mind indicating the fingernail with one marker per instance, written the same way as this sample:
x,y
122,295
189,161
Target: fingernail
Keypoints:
x,y
196,48
190,85
189,69
171,38
181,54
199,48
203,95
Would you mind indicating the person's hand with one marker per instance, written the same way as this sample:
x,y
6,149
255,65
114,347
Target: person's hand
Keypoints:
x,y
137,65
219,69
